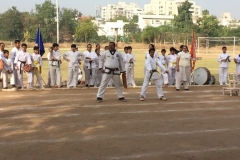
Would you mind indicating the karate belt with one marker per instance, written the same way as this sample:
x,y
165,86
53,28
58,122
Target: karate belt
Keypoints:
x,y
36,66
112,71
22,62
131,63
154,70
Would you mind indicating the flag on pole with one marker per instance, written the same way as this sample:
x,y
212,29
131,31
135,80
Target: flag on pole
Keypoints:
x,y
193,50
39,42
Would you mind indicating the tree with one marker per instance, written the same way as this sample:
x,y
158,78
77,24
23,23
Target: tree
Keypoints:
x,y
11,25
123,18
151,34
46,17
135,19
208,25
131,28
85,28
68,23
183,21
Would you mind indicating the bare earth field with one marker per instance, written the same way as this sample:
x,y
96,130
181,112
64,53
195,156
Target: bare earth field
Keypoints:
x,y
200,124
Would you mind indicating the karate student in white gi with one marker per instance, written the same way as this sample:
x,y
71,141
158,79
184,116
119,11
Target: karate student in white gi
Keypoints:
x,y
172,59
98,72
184,69
90,58
8,68
223,59
22,58
55,72
37,67
130,59
73,57
114,66
237,62
14,52
151,64
151,46
163,60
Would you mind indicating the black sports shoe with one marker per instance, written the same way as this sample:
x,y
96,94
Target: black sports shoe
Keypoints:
x,y
86,85
99,99
177,89
186,89
91,85
122,99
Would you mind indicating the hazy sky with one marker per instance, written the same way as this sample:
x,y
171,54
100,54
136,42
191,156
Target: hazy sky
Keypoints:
x,y
87,7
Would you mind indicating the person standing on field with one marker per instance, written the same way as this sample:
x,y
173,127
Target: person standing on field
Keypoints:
x,y
55,72
90,58
73,58
114,66
23,58
130,59
37,67
152,74
172,59
237,62
163,60
184,69
14,52
223,59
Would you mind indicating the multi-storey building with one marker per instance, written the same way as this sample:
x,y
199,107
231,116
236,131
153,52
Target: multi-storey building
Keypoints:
x,y
170,8
121,9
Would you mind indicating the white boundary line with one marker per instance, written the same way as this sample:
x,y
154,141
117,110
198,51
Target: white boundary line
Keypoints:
x,y
129,112
109,122
157,154
103,137
122,104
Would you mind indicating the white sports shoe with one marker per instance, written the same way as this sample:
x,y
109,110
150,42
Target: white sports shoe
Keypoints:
x,y
163,98
142,98
226,83
221,84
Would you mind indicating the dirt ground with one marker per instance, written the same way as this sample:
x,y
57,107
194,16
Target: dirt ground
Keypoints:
x,y
200,124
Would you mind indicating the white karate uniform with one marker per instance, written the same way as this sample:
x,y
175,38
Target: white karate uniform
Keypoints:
x,y
223,67
148,55
171,67
73,66
98,78
8,66
237,58
114,66
163,60
151,64
129,65
37,64
55,71
21,59
14,77
90,68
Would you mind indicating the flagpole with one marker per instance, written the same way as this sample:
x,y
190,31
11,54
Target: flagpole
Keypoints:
x,y
57,21
39,39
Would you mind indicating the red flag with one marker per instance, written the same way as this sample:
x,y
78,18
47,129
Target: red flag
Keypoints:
x,y
193,50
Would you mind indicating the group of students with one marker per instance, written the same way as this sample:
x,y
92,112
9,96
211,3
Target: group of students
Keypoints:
x,y
175,67
18,62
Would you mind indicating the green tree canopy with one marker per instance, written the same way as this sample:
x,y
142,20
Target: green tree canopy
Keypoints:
x,y
85,28
183,21
11,25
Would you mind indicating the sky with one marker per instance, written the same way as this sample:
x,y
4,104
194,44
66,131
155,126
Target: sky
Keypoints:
x,y
87,7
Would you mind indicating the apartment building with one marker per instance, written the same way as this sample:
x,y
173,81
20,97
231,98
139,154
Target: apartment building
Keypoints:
x,y
121,9
170,8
